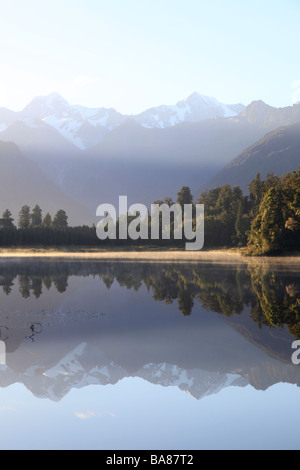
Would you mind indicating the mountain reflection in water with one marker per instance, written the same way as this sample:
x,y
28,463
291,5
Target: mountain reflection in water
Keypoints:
x,y
198,326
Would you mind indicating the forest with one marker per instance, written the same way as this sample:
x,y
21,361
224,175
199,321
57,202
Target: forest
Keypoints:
x,y
266,221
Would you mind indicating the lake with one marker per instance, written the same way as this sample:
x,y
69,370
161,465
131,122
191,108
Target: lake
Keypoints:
x,y
149,355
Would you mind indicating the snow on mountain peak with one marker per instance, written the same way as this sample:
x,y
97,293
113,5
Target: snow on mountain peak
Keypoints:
x,y
196,98
86,127
195,108
43,106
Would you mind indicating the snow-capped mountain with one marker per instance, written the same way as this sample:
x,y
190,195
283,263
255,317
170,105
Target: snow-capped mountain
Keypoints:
x,y
194,109
85,127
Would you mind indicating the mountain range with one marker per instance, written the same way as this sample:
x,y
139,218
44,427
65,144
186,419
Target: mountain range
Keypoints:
x,y
85,127
92,156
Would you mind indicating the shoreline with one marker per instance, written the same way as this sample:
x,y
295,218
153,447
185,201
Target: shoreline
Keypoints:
x,y
229,256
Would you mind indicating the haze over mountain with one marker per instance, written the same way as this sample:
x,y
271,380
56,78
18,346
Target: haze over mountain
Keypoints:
x,y
268,117
85,127
277,152
96,155
149,164
22,182
195,108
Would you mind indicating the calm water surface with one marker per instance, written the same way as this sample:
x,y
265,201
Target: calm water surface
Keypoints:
x,y
104,355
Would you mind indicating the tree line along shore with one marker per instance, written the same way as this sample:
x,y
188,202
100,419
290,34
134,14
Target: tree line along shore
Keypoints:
x,y
266,221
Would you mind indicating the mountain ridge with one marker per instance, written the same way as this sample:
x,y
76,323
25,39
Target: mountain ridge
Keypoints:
x,y
276,152
107,154
71,120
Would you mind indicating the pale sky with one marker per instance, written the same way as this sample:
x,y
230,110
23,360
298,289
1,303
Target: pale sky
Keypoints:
x,y
134,54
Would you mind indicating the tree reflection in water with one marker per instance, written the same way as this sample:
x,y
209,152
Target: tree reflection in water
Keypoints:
x,y
272,294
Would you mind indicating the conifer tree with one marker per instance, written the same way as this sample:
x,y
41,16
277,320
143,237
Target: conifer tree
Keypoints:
x,y
36,216
60,220
24,218
6,221
47,221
